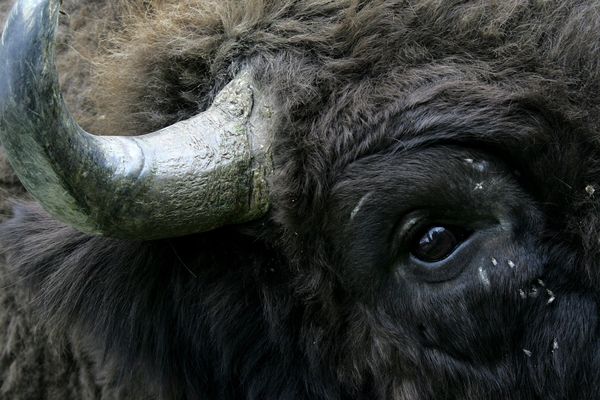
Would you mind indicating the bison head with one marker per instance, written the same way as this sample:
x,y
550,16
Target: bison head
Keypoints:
x,y
388,200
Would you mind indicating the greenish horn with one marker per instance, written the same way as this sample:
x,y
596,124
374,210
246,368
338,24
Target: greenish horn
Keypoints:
x,y
194,176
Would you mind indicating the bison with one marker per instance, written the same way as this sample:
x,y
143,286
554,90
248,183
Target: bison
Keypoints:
x,y
339,199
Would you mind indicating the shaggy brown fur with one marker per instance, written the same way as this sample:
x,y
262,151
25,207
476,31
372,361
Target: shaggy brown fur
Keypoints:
x,y
163,65
513,76
32,365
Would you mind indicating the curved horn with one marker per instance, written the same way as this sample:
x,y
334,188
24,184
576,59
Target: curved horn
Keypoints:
x,y
193,176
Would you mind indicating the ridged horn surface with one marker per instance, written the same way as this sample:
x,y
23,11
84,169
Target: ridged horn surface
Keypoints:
x,y
196,175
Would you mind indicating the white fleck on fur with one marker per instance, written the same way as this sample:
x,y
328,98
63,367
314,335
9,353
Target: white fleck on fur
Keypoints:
x,y
590,189
359,205
483,276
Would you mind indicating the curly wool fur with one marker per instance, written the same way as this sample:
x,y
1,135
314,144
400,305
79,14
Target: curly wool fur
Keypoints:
x,y
275,309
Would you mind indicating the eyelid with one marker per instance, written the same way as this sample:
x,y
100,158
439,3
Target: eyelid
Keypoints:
x,y
409,225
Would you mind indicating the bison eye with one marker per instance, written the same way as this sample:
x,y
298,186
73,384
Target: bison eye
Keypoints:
x,y
435,243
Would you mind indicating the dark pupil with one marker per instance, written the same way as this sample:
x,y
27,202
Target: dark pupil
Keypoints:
x,y
436,244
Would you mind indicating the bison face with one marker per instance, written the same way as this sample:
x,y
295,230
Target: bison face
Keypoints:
x,y
451,260
446,244
380,213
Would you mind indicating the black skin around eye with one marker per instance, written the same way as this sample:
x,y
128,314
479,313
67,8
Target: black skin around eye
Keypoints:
x,y
436,243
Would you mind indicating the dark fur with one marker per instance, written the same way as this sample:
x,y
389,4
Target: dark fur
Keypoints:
x,y
384,97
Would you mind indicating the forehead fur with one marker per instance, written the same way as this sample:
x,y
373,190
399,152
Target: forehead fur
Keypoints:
x,y
172,56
